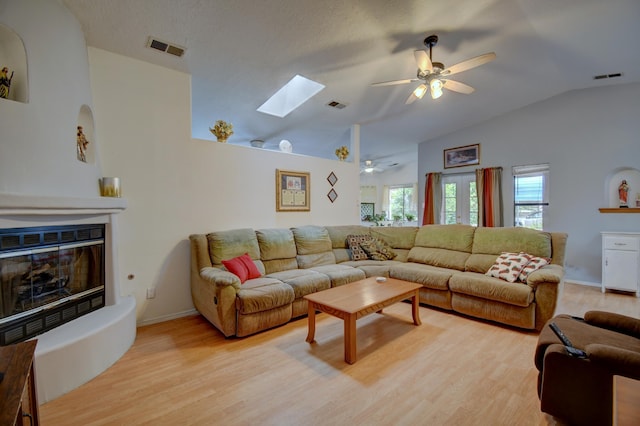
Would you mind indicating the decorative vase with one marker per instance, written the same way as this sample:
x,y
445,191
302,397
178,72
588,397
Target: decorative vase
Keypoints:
x,y
222,139
257,143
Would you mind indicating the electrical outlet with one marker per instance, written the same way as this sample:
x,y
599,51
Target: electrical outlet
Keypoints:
x,y
151,293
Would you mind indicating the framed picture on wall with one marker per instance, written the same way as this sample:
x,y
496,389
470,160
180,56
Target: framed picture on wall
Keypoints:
x,y
468,155
293,191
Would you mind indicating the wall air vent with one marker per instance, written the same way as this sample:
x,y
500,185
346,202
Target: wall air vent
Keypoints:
x,y
166,47
603,76
336,104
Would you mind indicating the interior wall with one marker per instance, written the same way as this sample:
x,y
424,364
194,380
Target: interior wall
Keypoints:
x,y
400,175
176,186
38,146
585,136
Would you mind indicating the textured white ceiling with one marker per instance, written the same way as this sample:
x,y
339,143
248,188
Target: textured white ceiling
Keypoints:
x,y
240,52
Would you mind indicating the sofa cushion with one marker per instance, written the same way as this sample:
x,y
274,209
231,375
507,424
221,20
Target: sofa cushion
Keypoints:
x,y
449,237
276,244
313,246
508,266
339,234
485,287
340,274
354,241
233,243
398,237
311,240
429,276
439,257
263,294
515,240
378,249
303,281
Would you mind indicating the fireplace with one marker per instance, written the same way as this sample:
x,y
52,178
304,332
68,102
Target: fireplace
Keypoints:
x,y
48,277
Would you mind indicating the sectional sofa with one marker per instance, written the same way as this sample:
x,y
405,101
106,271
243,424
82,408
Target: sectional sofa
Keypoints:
x,y
452,262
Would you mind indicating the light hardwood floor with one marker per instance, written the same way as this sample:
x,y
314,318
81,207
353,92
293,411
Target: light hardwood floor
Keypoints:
x,y
451,370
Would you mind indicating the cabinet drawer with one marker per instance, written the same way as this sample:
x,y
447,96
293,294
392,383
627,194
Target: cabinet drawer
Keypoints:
x,y
621,243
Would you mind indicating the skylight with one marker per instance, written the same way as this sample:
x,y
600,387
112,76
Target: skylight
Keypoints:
x,y
290,96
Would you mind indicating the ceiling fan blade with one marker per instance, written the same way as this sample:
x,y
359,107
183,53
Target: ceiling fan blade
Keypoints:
x,y
469,63
394,82
456,86
418,93
423,61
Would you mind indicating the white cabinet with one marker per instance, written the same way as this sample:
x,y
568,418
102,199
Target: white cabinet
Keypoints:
x,y
621,261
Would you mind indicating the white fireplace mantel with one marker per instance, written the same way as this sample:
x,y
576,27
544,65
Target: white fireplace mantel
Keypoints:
x,y
76,352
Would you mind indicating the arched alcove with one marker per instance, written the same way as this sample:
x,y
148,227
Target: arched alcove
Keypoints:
x,y
13,56
85,120
613,181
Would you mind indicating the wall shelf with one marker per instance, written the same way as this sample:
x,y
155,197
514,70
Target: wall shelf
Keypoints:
x,y
619,210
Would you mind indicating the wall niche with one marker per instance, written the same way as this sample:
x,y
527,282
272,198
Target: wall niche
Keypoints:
x,y
613,181
13,56
85,144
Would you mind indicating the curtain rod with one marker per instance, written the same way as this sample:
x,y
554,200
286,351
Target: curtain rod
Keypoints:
x,y
462,173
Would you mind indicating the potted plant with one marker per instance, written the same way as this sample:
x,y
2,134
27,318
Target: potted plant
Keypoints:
x,y
410,217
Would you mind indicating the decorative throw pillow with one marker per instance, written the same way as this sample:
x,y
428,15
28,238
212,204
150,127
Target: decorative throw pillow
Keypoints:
x,y
534,264
252,269
243,267
508,266
353,241
236,267
378,249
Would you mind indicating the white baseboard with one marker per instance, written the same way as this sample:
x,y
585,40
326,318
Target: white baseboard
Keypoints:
x,y
169,317
587,283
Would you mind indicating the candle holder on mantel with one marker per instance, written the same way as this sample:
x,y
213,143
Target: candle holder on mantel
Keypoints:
x,y
110,187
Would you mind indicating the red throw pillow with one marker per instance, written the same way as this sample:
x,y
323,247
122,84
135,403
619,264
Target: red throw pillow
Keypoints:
x,y
237,267
252,269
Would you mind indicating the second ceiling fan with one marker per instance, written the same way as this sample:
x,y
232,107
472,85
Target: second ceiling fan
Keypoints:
x,y
435,76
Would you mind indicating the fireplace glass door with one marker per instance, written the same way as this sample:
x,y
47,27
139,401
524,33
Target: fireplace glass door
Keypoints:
x,y
45,286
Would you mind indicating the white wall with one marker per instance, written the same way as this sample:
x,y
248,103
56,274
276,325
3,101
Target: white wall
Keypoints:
x,y
586,136
176,185
38,138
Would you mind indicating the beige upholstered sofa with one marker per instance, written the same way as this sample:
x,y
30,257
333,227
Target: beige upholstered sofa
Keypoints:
x,y
450,261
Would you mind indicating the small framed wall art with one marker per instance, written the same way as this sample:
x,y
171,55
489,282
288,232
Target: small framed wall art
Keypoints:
x,y
468,155
293,191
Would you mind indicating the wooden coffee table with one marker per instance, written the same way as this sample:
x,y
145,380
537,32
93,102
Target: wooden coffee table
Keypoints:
x,y
353,301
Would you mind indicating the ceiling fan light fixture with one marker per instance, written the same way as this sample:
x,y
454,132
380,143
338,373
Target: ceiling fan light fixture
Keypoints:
x,y
436,88
420,91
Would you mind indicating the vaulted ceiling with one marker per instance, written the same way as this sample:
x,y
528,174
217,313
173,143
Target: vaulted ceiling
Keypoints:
x,y
240,52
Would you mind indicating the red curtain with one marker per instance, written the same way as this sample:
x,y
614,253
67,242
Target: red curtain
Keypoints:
x,y
489,187
432,199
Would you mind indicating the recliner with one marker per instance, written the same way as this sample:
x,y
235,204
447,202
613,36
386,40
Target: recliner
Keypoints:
x,y
579,390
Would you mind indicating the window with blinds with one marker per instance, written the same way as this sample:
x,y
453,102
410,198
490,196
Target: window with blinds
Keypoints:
x,y
531,195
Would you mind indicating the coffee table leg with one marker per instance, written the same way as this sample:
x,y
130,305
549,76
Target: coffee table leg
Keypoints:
x,y
415,305
350,338
312,322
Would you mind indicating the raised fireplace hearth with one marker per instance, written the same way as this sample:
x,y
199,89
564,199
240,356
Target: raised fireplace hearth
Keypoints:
x,y
49,276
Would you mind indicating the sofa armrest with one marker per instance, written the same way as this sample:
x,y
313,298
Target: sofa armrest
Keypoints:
x,y
621,362
614,322
547,274
220,277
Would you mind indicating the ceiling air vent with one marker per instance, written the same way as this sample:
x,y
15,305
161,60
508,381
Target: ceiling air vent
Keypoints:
x,y
336,104
166,47
603,76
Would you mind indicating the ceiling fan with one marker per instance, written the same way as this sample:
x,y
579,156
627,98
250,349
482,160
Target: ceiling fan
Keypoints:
x,y
369,167
435,76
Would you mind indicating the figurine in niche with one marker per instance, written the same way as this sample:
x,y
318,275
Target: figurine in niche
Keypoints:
x,y
83,143
623,192
5,82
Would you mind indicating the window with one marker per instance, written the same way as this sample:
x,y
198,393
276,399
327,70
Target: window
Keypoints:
x,y
530,195
460,203
402,202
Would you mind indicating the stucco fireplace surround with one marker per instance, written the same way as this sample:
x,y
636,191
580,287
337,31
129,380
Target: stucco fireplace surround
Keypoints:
x,y
79,350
